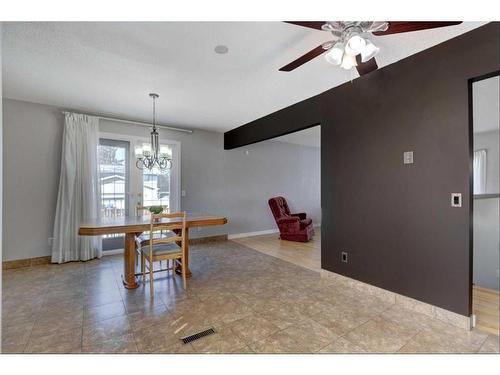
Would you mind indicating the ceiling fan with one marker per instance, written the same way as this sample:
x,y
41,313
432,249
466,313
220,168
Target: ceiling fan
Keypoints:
x,y
350,46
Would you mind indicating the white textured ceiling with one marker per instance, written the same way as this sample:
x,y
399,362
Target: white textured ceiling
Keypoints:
x,y
486,104
109,68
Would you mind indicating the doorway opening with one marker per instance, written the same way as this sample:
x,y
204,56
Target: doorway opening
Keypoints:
x,y
484,99
287,170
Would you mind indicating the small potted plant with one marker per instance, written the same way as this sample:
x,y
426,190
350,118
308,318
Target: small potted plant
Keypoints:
x,y
156,210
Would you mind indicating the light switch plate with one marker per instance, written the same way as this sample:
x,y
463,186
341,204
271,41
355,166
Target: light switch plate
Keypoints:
x,y
456,200
408,157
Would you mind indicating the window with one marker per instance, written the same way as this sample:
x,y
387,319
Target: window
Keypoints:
x,y
479,172
156,187
124,186
114,182
113,177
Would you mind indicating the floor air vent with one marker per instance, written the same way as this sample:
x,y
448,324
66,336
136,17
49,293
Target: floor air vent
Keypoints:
x,y
199,335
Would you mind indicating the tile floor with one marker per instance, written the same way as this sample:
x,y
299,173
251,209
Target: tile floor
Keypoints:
x,y
257,304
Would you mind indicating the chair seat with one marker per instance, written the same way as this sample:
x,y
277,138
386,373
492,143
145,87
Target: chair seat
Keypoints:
x,y
143,239
163,249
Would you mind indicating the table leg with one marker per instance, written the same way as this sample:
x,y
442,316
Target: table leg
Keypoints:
x,y
128,277
178,268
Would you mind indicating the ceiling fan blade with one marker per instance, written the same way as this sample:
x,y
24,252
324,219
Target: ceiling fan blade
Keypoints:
x,y
396,27
311,24
366,67
303,59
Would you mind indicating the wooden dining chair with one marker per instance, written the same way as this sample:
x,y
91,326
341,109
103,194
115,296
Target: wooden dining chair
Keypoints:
x,y
158,248
143,239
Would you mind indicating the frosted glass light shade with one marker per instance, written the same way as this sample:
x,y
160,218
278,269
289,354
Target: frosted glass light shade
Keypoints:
x,y
369,51
348,61
146,149
138,152
355,44
334,55
164,151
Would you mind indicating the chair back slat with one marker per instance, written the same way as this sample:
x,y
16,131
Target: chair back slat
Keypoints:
x,y
157,225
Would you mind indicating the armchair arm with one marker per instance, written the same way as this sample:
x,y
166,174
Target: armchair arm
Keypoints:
x,y
289,224
300,215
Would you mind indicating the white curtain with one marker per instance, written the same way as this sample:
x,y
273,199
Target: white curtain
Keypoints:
x,y
479,172
79,197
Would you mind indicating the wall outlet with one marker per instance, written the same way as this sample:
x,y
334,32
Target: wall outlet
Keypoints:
x,y
50,241
183,193
343,256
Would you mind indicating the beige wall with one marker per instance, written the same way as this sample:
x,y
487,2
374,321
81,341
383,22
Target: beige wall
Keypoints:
x,y
233,183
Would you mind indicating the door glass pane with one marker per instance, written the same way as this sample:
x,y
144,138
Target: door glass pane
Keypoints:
x,y
156,186
113,178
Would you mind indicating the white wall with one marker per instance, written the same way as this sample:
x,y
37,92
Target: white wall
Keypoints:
x,y
233,183
489,141
486,243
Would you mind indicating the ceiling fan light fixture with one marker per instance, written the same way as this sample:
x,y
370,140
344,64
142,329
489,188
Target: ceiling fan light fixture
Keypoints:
x,y
355,44
348,61
369,51
335,54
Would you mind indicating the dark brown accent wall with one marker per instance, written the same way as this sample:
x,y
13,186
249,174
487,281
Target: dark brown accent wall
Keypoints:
x,y
395,220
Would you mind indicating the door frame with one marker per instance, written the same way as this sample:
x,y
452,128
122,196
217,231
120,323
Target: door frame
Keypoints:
x,y
470,83
134,172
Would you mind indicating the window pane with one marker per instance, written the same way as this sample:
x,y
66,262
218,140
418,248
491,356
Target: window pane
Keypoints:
x,y
113,179
156,187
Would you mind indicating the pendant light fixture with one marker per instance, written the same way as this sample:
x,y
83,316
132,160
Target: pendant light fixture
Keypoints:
x,y
151,156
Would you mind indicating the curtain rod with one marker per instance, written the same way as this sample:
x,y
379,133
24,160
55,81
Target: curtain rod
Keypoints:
x,y
142,123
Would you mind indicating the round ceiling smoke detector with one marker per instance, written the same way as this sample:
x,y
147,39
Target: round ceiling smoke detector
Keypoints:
x,y
221,49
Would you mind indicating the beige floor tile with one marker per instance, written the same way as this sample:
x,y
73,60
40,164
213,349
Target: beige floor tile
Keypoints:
x,y
67,341
119,344
312,334
101,298
15,338
52,324
340,319
105,329
158,339
380,336
146,318
491,345
103,312
440,339
222,341
342,346
280,342
253,328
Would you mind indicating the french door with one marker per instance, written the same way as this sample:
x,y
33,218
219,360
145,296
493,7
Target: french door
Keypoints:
x,y
124,186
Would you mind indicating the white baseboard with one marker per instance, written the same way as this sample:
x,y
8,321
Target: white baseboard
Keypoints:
x,y
112,252
251,234
260,232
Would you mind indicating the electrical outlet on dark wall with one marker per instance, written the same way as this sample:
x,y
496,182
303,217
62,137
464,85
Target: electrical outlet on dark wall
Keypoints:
x,y
343,256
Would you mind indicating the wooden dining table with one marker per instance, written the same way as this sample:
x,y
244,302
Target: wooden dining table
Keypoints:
x,y
133,226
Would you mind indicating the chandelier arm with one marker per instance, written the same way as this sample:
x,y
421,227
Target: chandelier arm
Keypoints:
x,y
139,163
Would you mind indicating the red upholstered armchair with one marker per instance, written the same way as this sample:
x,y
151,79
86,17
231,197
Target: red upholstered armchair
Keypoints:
x,y
293,227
